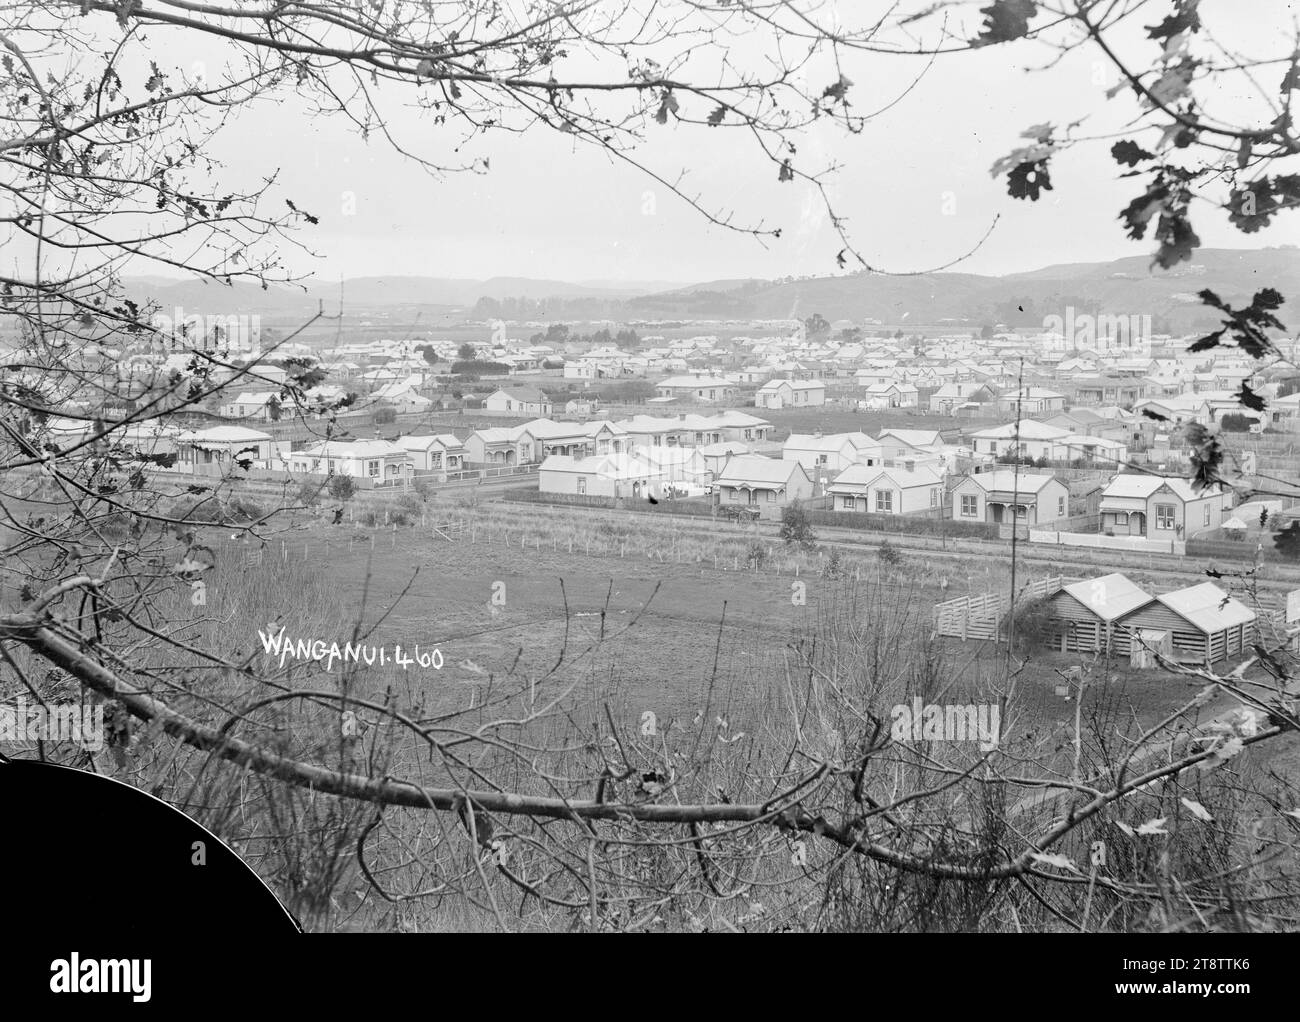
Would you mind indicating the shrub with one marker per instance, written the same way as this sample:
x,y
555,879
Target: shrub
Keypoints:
x,y
757,553
796,527
385,415
309,494
834,564
342,487
241,509
1034,623
410,502
890,554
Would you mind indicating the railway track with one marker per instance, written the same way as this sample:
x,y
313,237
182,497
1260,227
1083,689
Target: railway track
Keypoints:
x,y
1273,583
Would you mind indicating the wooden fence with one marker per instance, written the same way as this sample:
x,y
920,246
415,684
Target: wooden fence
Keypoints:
x,y
982,617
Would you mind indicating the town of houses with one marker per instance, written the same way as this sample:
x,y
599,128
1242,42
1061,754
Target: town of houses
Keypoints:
x,y
1060,437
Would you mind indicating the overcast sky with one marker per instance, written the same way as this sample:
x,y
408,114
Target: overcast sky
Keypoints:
x,y
915,185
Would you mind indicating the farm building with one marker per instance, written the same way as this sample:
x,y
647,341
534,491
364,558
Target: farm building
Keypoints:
x,y
1084,614
1204,622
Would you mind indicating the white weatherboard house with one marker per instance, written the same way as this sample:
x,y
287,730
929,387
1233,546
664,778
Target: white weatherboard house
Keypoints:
x,y
375,460
601,475
213,449
438,453
1033,499
704,389
517,401
1029,440
790,394
257,406
889,491
1159,507
921,445
760,482
834,452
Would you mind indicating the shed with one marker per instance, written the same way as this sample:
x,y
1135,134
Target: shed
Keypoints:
x,y
1206,623
1085,613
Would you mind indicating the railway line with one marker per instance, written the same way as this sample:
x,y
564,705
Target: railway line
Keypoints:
x,y
1273,580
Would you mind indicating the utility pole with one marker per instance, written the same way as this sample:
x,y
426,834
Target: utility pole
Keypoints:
x,y
1015,504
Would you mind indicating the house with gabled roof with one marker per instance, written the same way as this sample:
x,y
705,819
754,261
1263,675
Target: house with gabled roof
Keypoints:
x,y
790,394
898,490
701,388
833,452
1160,507
768,484
1000,496
213,450
518,400
441,452
375,460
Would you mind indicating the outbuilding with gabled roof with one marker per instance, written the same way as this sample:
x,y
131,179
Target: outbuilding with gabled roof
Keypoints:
x,y
1206,624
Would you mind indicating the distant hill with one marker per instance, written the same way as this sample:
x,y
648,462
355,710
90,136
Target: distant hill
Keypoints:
x,y
1124,287
359,294
1121,287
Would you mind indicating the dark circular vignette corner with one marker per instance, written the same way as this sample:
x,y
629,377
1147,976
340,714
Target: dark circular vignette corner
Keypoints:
x,y
88,854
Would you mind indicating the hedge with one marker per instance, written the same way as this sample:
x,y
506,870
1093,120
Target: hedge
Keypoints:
x,y
917,526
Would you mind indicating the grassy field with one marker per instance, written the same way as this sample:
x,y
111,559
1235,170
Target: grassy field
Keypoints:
x,y
678,620
729,656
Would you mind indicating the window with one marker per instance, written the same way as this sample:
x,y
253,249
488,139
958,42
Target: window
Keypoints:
x,y
969,505
934,497
822,459
582,484
1207,515
771,496
848,504
885,500
1060,506
372,468
1164,516
1021,511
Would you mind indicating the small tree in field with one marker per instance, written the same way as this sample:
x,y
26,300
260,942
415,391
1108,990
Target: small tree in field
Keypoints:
x,y
342,487
796,528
